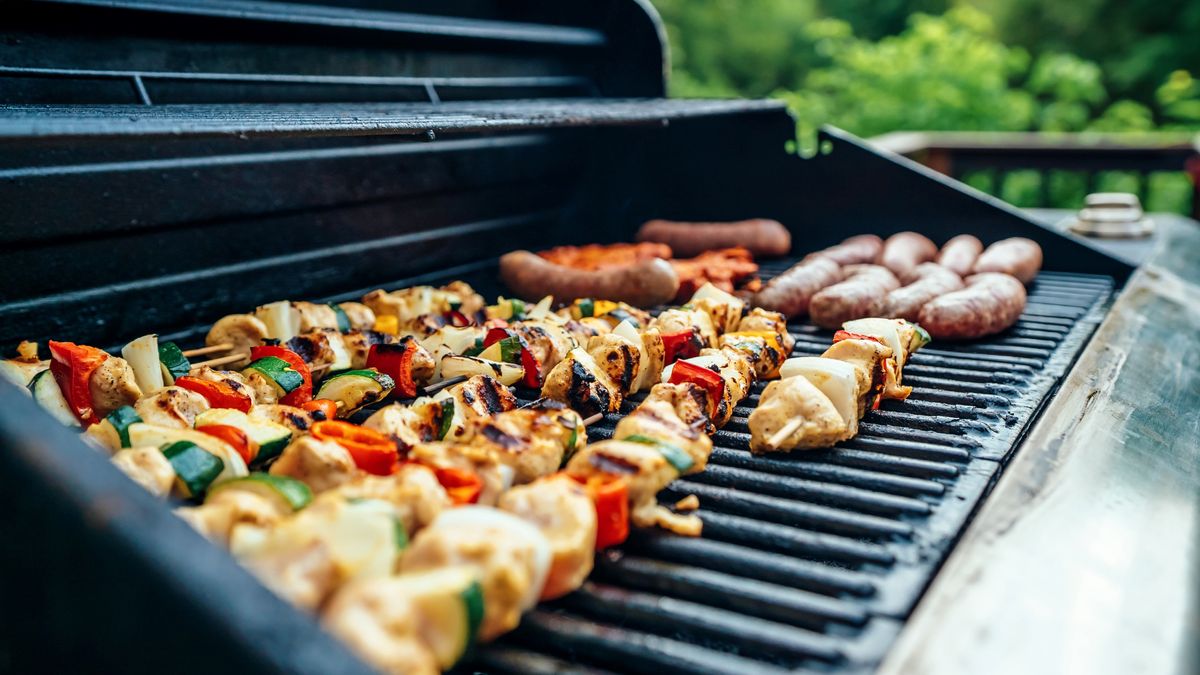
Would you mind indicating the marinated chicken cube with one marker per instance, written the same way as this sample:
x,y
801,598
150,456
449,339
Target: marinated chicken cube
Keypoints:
x,y
408,425
112,386
868,358
482,461
322,465
548,342
675,321
659,418
296,419
173,407
563,511
226,509
241,332
579,382
759,319
148,467
618,357
360,316
531,441
792,414
413,490
314,316
382,626
644,467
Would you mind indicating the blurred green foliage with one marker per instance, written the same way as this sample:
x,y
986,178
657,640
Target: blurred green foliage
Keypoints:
x,y
875,66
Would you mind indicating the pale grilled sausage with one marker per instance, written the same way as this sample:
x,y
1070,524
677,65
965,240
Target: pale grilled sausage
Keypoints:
x,y
904,251
791,292
859,249
644,284
863,294
990,303
761,236
932,280
959,254
1019,257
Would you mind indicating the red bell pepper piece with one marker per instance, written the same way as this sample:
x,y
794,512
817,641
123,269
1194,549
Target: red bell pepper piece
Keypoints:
x,y
713,383
218,394
396,361
462,486
457,319
72,366
235,437
372,451
682,345
533,368
324,406
610,495
300,395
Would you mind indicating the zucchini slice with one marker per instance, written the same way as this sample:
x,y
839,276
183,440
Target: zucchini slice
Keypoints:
x,y
450,604
142,434
343,321
142,355
172,362
289,493
121,419
355,389
271,437
46,392
507,373
195,468
279,373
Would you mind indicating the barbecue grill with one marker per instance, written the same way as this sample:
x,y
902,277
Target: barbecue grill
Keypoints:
x,y
165,163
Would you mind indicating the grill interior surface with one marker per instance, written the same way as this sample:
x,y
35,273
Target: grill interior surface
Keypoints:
x,y
813,560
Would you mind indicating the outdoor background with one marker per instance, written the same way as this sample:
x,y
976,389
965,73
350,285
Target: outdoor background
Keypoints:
x,y
875,66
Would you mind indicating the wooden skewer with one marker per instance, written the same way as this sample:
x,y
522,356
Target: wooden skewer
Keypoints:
x,y
201,351
589,421
535,403
788,429
434,388
219,361
317,369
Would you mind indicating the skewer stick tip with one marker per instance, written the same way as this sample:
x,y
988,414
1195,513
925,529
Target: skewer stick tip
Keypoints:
x,y
787,430
434,388
589,421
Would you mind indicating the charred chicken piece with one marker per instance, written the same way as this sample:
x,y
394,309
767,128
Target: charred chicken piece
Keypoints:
x,y
674,321
672,414
796,406
582,384
531,441
113,385
148,467
413,489
644,467
321,465
296,419
619,358
172,407
562,510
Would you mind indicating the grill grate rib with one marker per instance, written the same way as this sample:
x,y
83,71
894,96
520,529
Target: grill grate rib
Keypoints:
x,y
812,561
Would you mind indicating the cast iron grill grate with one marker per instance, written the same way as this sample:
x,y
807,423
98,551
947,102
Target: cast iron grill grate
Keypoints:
x,y
812,561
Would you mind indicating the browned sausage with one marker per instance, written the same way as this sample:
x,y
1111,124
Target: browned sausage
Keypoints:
x,y
863,248
989,304
958,255
761,236
791,291
863,294
932,280
904,251
1020,257
644,284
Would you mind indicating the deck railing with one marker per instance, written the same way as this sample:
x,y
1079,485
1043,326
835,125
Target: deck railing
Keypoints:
x,y
1057,170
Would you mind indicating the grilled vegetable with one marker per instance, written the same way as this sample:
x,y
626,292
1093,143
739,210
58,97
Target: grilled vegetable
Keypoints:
x,y
195,468
295,396
372,451
676,456
218,394
235,437
281,319
690,371
142,434
72,366
172,362
120,421
610,494
279,373
271,438
354,389
142,355
396,361
288,493
46,392
450,601
507,373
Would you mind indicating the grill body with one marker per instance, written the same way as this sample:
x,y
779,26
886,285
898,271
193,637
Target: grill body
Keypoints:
x,y
165,163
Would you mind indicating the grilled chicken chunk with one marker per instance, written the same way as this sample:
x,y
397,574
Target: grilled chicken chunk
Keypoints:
x,y
723,309
794,403
361,317
148,467
579,382
672,414
262,388
413,489
531,441
868,358
619,358
113,385
380,622
673,321
644,467
563,511
314,316
226,509
242,331
20,370
582,332
512,554
408,425
482,461
479,397
173,407
759,319
322,465
470,302
761,351
549,342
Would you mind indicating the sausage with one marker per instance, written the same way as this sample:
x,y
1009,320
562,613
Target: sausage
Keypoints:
x,y
644,284
863,248
791,291
903,252
958,255
761,236
932,280
990,303
863,294
1020,257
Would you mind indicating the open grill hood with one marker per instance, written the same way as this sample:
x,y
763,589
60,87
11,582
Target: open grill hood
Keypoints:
x,y
165,163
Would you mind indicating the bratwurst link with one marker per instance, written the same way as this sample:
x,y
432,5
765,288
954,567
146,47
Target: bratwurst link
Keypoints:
x,y
1020,257
904,251
791,292
989,304
959,254
643,284
861,248
863,293
763,237
932,280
